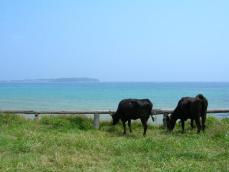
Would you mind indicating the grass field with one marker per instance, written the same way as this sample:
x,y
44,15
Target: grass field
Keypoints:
x,y
71,144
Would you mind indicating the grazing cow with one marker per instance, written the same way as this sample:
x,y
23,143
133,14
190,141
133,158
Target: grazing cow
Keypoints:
x,y
133,109
194,108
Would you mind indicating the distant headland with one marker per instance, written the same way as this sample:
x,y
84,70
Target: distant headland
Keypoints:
x,y
56,80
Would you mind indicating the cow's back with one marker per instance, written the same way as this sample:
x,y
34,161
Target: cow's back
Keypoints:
x,y
187,107
134,108
183,107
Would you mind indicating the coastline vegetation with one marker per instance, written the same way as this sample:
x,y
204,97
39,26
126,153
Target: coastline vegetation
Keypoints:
x,y
58,143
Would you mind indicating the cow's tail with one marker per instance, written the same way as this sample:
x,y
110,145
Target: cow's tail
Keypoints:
x,y
152,113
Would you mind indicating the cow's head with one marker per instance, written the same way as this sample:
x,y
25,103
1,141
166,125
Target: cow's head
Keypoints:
x,y
115,118
170,122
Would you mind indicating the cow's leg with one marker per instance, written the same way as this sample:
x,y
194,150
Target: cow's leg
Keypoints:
x,y
197,119
182,125
203,122
144,123
124,127
129,124
192,123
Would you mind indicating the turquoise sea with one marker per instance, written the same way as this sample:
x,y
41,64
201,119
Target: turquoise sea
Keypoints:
x,y
105,95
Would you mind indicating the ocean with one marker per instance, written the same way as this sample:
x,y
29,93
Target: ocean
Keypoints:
x,y
106,95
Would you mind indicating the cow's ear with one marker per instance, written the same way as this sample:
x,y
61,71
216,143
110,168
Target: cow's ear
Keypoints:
x,y
167,117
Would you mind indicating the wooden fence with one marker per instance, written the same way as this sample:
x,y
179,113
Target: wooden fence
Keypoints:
x,y
96,113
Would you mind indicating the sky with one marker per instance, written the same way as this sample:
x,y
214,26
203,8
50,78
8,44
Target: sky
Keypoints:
x,y
115,40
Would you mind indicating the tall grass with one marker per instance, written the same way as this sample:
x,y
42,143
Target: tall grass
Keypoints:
x,y
71,144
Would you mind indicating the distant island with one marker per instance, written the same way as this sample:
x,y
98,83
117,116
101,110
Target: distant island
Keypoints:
x,y
56,80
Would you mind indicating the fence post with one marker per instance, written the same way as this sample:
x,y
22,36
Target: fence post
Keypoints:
x,y
96,121
36,116
164,120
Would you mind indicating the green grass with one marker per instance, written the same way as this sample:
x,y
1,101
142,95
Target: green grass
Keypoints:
x,y
71,144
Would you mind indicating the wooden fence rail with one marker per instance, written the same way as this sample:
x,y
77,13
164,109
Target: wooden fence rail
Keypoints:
x,y
97,113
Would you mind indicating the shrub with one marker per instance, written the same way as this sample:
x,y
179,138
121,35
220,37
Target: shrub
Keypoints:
x,y
67,122
9,119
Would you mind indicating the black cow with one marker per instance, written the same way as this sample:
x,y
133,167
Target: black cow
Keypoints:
x,y
133,109
194,108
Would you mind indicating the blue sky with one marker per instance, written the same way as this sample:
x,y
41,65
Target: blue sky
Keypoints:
x,y
116,40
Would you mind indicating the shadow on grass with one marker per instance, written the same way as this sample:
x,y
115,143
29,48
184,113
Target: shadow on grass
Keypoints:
x,y
192,155
137,129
